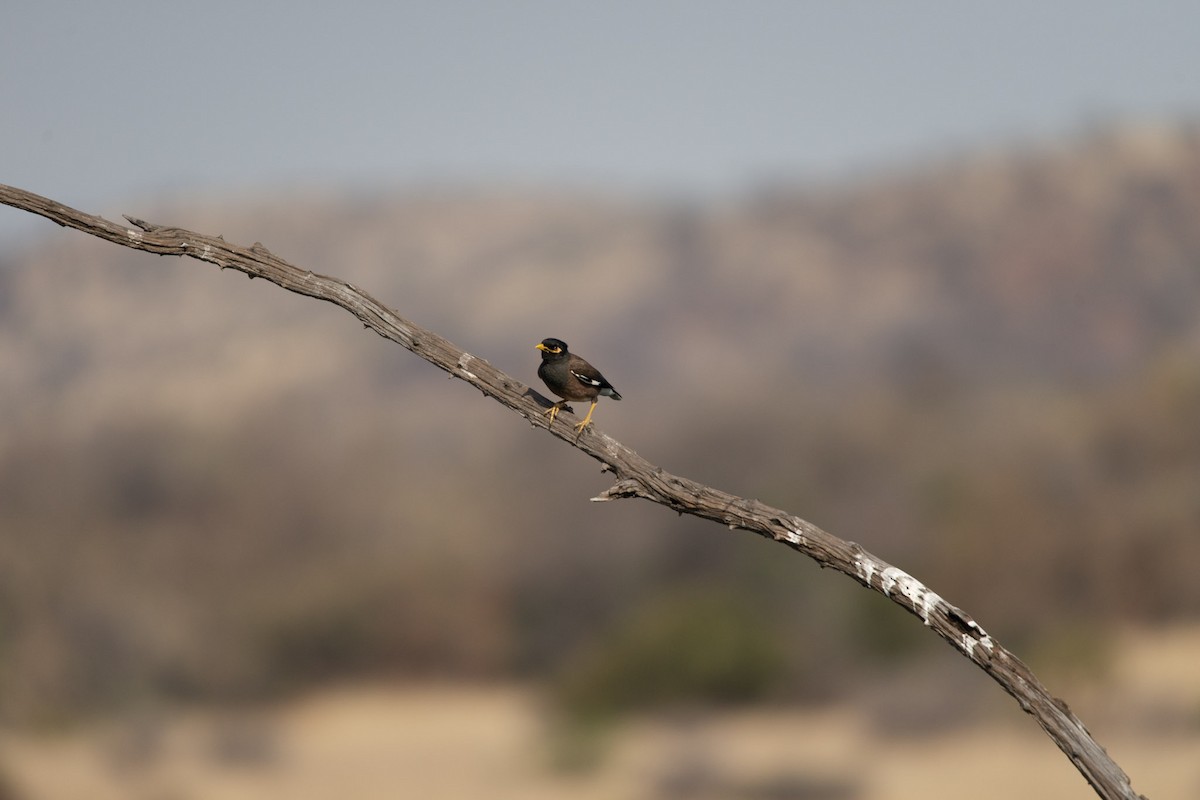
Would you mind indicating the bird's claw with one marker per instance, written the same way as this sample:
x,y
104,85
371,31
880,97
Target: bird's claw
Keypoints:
x,y
552,412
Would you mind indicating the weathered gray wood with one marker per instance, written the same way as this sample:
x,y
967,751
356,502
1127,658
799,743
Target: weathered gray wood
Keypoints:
x,y
635,477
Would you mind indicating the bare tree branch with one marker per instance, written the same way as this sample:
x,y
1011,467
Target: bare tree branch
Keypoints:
x,y
635,477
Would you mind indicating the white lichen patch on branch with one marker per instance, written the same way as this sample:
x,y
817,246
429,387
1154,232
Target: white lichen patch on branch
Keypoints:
x,y
893,580
866,567
921,598
969,642
463,361
133,234
793,537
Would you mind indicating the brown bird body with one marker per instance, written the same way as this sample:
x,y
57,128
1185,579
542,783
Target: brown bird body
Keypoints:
x,y
571,378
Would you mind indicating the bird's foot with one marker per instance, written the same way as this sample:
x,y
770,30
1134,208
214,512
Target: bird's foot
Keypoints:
x,y
580,427
552,412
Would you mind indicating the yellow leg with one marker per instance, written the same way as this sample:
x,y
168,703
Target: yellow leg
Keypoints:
x,y
552,412
579,428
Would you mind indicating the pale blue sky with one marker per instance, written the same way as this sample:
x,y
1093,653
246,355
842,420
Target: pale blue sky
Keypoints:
x,y
103,104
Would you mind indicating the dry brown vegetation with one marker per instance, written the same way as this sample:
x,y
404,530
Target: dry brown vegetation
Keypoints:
x,y
470,741
988,372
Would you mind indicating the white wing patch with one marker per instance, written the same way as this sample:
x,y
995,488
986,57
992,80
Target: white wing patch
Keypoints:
x,y
586,379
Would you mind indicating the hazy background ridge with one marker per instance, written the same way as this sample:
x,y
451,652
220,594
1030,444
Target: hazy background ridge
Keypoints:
x,y
982,368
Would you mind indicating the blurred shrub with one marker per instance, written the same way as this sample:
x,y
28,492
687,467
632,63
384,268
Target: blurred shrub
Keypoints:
x,y
882,630
691,646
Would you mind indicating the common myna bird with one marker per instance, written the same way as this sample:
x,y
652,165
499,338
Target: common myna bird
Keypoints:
x,y
571,378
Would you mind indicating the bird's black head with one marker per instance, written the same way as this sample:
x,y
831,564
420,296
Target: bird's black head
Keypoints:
x,y
551,348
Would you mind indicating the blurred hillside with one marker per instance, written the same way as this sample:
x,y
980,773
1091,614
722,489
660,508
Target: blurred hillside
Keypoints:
x,y
986,371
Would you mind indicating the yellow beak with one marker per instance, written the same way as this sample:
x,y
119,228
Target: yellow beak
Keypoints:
x,y
540,346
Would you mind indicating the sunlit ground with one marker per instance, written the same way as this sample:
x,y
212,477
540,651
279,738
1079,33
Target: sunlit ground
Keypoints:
x,y
454,741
